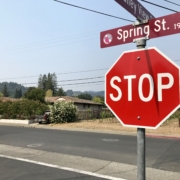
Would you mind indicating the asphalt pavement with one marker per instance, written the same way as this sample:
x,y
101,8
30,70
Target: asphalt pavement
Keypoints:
x,y
113,155
18,170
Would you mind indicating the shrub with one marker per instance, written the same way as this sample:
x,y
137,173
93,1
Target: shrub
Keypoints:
x,y
106,114
63,112
24,109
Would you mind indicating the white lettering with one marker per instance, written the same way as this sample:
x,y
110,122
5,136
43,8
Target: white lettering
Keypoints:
x,y
142,13
139,31
129,78
164,86
125,35
116,78
146,30
133,32
151,87
157,25
120,34
135,7
164,24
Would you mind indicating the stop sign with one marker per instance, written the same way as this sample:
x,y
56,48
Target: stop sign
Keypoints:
x,y
142,88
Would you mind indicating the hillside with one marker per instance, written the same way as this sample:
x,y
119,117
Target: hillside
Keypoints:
x,y
92,93
11,87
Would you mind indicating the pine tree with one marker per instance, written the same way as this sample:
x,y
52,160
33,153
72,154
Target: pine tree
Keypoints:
x,y
48,82
44,80
5,91
16,94
20,93
40,82
61,92
54,84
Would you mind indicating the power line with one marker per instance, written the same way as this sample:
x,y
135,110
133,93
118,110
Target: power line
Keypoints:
x,y
80,83
63,73
41,48
82,79
49,44
177,60
93,11
37,43
159,6
172,2
77,86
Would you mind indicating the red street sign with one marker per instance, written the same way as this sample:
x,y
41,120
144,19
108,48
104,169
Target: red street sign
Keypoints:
x,y
136,9
162,26
142,88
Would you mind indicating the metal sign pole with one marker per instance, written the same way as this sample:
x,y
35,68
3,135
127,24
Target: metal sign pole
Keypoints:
x,y
141,154
141,139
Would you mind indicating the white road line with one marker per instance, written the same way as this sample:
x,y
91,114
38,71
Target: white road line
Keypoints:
x,y
62,168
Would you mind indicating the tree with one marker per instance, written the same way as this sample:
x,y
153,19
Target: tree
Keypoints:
x,y
99,99
40,82
54,83
61,92
69,92
49,93
5,91
18,93
44,80
1,94
47,82
35,94
85,96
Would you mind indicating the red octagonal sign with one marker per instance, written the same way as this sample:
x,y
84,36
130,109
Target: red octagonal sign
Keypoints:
x,y
142,88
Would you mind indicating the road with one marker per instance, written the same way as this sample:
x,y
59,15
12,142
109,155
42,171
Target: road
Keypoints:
x,y
13,169
100,153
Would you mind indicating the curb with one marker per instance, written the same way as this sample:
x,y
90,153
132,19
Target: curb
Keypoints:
x,y
125,133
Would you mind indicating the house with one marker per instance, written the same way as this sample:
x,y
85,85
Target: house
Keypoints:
x,y
81,104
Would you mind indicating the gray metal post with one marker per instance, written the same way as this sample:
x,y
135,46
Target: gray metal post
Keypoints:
x,y
141,139
141,154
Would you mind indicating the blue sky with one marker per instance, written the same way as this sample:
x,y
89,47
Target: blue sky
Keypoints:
x,y
44,36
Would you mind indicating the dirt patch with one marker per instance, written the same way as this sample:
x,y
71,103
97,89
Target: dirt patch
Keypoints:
x,y
168,128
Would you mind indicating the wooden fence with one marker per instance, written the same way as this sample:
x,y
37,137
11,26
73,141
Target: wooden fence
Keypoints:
x,y
89,114
94,114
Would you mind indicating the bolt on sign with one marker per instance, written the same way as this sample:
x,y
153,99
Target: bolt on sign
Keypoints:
x,y
142,88
154,28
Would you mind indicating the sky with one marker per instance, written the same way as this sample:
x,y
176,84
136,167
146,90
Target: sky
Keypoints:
x,y
44,36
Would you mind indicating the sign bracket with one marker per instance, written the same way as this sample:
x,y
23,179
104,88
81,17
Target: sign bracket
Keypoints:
x,y
140,22
144,39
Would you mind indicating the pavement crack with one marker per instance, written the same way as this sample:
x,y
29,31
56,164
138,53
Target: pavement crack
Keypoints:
x,y
103,167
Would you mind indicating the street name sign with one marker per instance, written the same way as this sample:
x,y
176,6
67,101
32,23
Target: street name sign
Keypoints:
x,y
142,88
136,9
154,28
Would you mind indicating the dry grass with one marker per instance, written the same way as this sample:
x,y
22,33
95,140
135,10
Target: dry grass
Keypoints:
x,y
168,128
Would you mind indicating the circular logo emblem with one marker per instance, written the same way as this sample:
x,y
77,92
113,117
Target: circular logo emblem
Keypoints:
x,y
107,38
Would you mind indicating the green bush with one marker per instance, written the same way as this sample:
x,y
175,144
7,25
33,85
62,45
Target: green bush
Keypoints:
x,y
23,109
63,112
106,114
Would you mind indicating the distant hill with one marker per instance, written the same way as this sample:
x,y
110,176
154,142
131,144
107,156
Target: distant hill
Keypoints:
x,y
12,86
92,93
